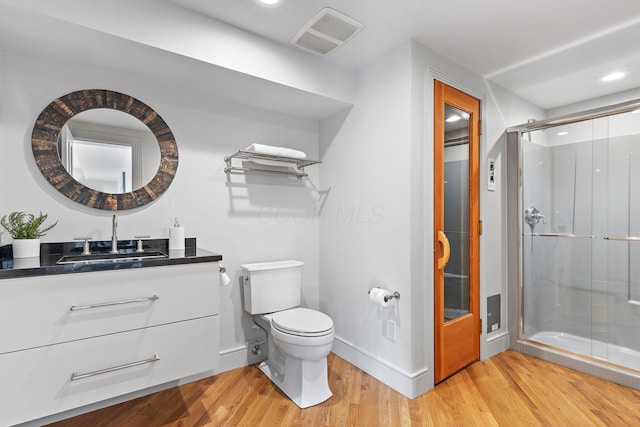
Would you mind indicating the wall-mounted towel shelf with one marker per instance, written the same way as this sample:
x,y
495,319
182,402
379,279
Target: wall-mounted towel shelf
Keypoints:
x,y
299,164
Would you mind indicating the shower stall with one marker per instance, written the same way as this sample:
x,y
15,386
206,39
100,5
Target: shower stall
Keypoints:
x,y
574,250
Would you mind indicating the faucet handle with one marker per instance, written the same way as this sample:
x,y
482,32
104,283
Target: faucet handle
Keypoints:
x,y
139,247
85,247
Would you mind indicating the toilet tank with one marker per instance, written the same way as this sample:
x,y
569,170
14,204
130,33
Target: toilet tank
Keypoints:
x,y
272,286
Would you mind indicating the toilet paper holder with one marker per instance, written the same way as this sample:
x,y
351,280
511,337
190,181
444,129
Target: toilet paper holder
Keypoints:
x,y
395,295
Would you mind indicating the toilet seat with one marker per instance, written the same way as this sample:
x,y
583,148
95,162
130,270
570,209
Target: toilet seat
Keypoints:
x,y
302,322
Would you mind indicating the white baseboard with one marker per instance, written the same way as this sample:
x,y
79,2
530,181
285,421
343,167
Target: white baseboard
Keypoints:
x,y
496,344
410,385
238,357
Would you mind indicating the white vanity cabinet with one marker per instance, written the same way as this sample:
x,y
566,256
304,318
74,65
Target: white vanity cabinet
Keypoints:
x,y
69,340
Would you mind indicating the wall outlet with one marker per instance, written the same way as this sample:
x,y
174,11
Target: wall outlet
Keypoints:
x,y
391,330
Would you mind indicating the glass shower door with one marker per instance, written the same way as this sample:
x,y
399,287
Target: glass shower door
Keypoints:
x,y
619,340
557,237
581,238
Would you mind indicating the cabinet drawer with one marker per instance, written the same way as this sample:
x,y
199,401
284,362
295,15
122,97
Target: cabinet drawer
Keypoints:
x,y
38,311
38,382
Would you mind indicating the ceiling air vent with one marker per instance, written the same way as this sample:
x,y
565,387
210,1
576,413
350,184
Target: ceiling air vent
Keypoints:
x,y
326,31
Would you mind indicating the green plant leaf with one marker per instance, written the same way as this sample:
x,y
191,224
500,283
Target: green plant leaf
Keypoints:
x,y
21,225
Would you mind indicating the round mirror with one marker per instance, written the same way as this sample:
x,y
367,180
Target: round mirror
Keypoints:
x,y
104,149
108,150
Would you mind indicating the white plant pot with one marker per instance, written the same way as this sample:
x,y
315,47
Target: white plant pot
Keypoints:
x,y
26,248
33,262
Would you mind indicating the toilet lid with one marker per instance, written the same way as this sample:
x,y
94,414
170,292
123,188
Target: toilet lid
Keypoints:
x,y
302,321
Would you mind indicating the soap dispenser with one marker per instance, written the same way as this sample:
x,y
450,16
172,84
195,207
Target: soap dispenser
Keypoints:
x,y
176,236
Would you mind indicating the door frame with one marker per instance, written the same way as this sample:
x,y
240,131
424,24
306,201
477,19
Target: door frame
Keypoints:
x,y
470,323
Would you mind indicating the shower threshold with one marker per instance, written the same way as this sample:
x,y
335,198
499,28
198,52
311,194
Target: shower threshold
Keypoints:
x,y
610,354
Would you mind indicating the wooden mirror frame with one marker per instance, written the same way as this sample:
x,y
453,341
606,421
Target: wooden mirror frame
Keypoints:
x,y
44,143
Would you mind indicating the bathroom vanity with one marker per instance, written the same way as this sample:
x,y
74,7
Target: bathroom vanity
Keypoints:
x,y
80,332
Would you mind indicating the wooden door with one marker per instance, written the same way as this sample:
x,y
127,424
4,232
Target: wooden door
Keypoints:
x,y
456,230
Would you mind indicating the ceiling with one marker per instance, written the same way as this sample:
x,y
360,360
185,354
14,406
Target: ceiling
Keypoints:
x,y
549,52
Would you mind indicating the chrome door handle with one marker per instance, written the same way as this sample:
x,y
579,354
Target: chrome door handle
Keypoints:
x,y
76,376
107,304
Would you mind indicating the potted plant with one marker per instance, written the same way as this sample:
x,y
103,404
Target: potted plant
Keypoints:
x,y
26,230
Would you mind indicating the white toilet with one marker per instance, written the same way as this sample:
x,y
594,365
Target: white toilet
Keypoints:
x,y
299,338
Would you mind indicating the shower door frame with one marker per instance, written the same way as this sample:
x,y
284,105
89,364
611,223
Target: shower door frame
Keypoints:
x,y
515,227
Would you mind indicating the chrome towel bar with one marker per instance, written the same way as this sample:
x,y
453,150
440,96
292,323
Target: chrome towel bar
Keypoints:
x,y
299,164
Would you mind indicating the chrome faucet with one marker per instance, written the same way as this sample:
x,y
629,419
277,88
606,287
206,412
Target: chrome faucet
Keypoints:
x,y
114,234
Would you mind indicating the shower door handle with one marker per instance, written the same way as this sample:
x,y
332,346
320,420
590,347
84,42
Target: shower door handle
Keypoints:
x,y
446,250
624,239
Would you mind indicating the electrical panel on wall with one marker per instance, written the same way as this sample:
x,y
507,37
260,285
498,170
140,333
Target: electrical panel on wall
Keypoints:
x,y
493,313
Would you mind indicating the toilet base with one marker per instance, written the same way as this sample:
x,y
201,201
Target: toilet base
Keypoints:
x,y
305,382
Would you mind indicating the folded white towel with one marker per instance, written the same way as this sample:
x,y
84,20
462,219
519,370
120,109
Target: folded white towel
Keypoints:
x,y
276,151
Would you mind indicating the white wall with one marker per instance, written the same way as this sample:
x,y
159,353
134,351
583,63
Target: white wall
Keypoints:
x,y
379,164
247,219
171,28
603,101
365,227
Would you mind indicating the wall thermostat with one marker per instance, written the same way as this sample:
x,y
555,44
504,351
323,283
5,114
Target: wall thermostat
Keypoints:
x,y
491,182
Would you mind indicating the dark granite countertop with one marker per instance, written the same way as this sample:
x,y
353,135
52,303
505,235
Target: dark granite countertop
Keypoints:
x,y
51,253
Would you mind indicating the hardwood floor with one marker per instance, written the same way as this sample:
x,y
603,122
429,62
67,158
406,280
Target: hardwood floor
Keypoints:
x,y
510,389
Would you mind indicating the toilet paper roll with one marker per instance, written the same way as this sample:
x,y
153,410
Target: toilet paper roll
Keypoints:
x,y
224,277
378,295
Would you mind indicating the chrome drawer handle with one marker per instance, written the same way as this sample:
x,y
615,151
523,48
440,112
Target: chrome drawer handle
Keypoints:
x,y
76,376
107,304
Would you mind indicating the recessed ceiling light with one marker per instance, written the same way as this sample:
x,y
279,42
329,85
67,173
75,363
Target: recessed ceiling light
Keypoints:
x,y
613,76
563,133
268,3
453,118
